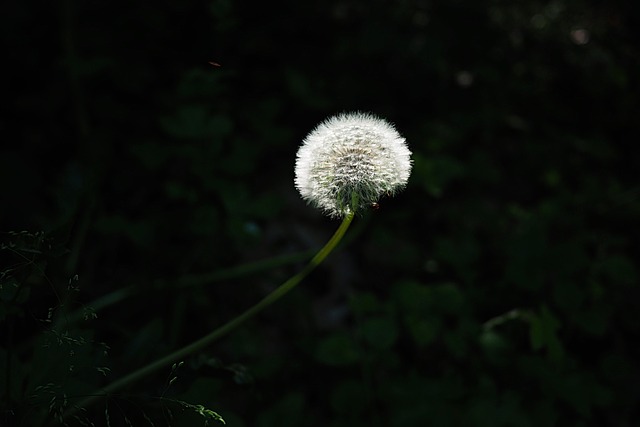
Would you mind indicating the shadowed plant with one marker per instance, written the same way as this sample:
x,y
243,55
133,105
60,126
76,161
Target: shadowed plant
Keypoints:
x,y
343,167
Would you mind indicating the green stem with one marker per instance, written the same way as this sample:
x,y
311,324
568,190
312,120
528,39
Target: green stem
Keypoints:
x,y
222,330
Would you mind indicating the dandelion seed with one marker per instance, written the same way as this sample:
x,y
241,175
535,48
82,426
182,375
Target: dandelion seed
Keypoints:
x,y
349,161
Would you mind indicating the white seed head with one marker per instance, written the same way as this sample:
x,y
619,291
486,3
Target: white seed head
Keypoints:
x,y
349,161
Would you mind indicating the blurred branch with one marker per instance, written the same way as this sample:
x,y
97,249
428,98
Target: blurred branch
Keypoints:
x,y
120,295
514,314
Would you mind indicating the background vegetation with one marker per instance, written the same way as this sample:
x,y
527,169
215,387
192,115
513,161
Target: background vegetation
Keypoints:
x,y
147,198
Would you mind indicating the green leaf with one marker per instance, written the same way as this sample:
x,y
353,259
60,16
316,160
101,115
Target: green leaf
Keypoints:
x,y
543,333
424,331
336,350
412,297
380,332
364,302
448,298
536,332
494,345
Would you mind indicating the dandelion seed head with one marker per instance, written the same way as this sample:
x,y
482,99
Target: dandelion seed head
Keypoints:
x,y
349,161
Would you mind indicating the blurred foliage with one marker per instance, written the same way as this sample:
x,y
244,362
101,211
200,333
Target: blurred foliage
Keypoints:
x,y
500,289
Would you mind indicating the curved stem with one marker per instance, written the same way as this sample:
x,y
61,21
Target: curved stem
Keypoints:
x,y
222,330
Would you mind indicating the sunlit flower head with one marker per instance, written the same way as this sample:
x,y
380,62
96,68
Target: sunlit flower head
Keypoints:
x,y
349,161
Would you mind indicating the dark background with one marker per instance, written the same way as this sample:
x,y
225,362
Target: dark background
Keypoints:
x,y
499,289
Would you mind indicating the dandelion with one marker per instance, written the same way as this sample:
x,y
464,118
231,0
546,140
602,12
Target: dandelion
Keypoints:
x,y
349,161
343,166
